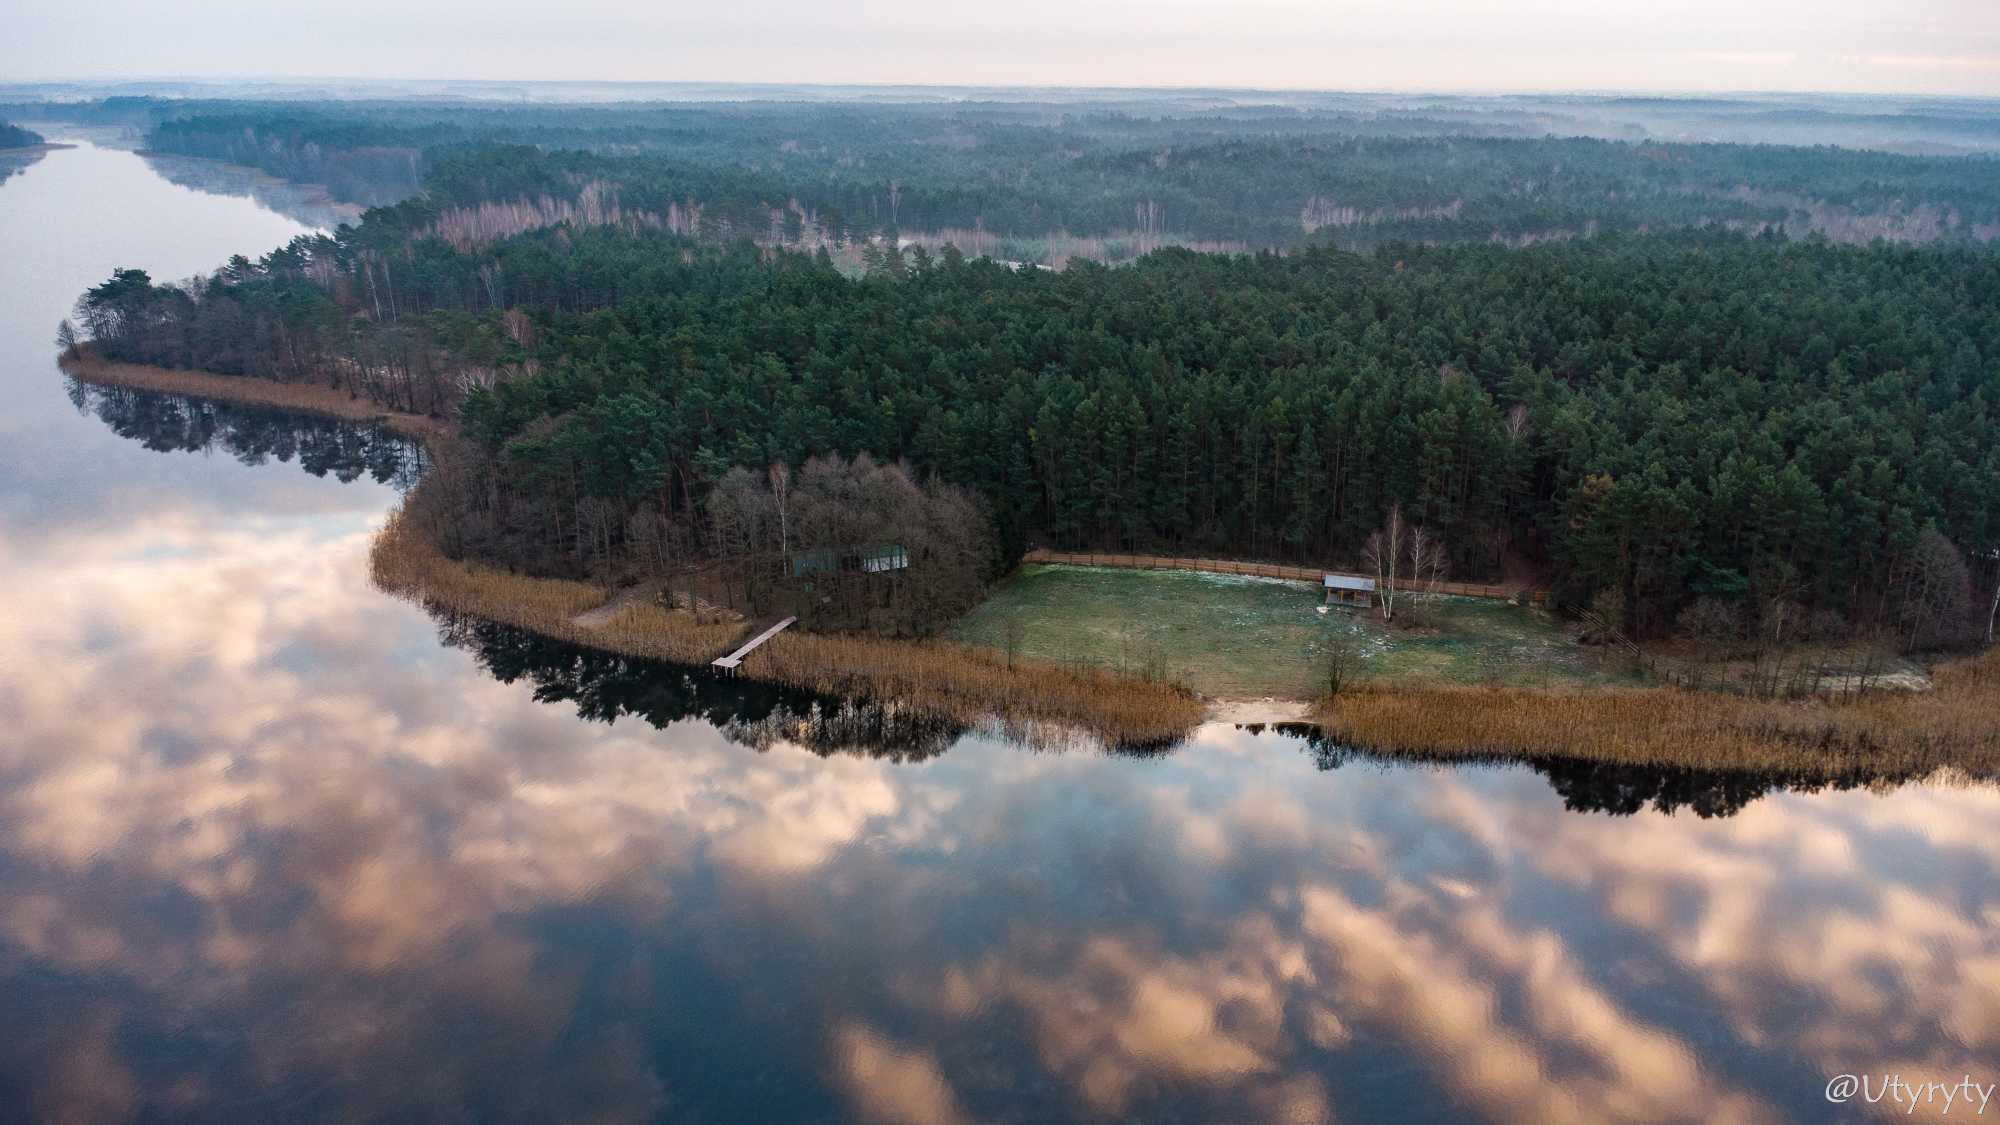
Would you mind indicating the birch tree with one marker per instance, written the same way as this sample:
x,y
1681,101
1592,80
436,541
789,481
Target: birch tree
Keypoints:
x,y
1993,611
1383,554
781,488
1405,558
1427,561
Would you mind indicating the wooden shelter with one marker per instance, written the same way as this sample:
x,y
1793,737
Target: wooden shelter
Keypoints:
x,y
1348,589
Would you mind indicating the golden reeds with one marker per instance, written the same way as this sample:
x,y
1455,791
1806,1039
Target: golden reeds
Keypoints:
x,y
960,682
1956,724
307,398
970,683
405,562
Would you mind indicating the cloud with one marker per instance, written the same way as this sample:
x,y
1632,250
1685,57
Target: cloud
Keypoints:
x,y
891,1083
1804,927
292,818
1114,1015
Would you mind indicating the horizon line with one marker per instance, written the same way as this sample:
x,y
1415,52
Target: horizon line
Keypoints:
x,y
1664,92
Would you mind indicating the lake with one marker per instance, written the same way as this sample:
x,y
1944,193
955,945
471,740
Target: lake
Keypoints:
x,y
275,846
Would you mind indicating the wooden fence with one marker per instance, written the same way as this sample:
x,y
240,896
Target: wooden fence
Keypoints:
x,y
1255,570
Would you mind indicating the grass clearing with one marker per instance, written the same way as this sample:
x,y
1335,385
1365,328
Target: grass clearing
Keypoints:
x,y
1236,637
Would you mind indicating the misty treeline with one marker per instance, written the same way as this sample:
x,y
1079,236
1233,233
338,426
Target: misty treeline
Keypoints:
x,y
1041,182
358,162
1744,423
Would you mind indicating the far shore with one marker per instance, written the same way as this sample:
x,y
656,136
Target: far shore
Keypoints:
x,y
308,398
45,146
316,193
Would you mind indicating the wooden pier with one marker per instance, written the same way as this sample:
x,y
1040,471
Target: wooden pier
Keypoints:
x,y
730,662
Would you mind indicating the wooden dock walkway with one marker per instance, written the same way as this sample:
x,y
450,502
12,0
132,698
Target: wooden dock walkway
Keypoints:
x,y
730,662
1257,570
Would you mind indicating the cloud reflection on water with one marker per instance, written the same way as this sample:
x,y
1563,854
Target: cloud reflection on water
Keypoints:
x,y
266,848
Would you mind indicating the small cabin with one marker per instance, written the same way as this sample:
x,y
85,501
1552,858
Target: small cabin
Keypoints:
x,y
889,556
863,560
1347,589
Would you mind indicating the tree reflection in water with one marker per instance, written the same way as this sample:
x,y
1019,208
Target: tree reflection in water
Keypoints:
x,y
14,163
1616,788
253,435
304,203
606,687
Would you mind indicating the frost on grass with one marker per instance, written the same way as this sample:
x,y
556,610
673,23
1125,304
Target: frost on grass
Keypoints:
x,y
1243,636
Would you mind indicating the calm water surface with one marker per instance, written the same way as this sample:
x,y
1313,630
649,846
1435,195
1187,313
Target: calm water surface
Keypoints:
x,y
276,847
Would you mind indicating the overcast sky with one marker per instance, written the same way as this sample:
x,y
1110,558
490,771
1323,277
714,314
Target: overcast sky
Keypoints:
x,y
1916,46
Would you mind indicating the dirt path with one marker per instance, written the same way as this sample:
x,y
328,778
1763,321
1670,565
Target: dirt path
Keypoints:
x,y
1249,712
601,616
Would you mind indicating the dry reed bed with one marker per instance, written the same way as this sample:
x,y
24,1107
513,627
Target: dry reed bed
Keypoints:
x,y
972,683
1957,724
959,682
307,398
404,562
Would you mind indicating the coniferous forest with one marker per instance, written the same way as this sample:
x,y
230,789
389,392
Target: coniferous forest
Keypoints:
x,y
1683,383
13,136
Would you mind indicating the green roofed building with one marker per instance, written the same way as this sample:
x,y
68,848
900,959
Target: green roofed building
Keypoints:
x,y
854,560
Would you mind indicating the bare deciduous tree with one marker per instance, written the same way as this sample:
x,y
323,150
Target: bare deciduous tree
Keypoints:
x,y
1993,611
1383,554
781,487
1339,660
1932,587
1404,558
877,551
1427,562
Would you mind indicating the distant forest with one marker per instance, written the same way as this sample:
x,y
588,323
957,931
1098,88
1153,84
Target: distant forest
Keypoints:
x,y
13,136
1687,428
1044,182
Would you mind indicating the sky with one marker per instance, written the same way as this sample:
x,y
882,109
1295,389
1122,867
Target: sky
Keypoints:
x,y
1875,46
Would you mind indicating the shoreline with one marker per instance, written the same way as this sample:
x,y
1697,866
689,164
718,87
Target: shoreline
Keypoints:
x,y
1891,734
248,390
963,683
1903,733
1900,733
312,192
